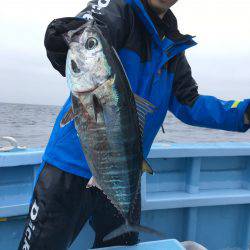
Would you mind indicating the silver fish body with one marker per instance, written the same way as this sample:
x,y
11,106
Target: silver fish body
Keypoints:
x,y
106,119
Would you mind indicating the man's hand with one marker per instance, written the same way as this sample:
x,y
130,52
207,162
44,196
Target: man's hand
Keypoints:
x,y
54,39
247,116
55,43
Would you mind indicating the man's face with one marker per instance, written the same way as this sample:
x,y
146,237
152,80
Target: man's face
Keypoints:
x,y
161,6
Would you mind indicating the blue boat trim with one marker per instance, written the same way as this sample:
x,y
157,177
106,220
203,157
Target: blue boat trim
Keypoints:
x,y
198,192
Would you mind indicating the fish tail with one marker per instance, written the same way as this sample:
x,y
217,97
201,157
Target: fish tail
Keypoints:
x,y
127,228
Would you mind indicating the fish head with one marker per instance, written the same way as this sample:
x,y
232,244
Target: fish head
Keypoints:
x,y
86,66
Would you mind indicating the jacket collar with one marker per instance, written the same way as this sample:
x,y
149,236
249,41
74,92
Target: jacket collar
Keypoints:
x,y
174,37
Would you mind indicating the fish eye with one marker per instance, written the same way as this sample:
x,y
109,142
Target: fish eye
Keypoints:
x,y
91,43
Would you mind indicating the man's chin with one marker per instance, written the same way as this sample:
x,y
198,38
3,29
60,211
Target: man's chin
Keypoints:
x,y
157,7
161,6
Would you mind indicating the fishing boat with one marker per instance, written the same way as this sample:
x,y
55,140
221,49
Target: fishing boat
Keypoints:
x,y
199,192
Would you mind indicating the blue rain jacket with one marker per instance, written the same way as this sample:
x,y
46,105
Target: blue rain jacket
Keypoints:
x,y
156,67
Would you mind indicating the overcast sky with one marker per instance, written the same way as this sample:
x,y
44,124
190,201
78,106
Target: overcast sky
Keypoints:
x,y
220,62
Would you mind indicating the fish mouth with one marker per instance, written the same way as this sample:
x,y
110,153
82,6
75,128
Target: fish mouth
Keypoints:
x,y
85,91
76,92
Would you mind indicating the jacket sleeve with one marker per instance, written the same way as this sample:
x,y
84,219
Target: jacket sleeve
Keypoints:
x,y
113,17
202,110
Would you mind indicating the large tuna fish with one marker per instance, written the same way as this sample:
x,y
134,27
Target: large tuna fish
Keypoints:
x,y
108,119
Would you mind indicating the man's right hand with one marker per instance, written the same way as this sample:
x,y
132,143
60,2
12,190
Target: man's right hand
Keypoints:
x,y
55,43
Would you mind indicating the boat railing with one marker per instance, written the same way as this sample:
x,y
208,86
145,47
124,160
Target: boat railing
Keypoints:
x,y
199,192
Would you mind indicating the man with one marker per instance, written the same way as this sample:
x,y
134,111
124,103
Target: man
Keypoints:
x,y
151,48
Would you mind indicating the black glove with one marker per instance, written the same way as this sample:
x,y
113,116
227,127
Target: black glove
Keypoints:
x,y
55,43
54,39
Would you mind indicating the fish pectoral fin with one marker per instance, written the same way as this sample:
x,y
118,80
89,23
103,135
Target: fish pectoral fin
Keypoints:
x,y
146,167
68,117
97,106
144,107
92,183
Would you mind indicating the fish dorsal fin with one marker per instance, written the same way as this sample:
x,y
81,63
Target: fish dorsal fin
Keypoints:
x,y
144,107
146,167
68,117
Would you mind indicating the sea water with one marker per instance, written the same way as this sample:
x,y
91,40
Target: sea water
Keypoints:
x,y
31,125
